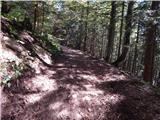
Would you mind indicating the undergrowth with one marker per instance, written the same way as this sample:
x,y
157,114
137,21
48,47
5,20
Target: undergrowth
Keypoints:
x,y
50,42
11,70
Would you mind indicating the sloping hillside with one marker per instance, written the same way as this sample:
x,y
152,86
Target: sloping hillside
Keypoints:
x,y
75,86
23,46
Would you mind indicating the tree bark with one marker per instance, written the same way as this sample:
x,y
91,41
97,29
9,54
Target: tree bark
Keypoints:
x,y
121,30
80,36
129,62
111,32
43,16
101,46
86,27
136,51
94,36
35,15
150,46
127,34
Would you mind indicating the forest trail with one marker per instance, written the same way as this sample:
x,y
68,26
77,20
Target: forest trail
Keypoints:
x,y
79,87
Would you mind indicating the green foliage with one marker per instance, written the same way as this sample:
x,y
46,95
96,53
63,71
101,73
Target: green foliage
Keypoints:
x,y
51,43
17,14
11,71
6,80
14,33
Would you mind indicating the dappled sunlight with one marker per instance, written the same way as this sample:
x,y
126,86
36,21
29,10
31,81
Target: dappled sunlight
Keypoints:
x,y
78,60
35,64
5,38
32,98
81,104
84,71
26,37
72,51
64,113
92,92
7,54
113,77
91,77
42,83
43,54
3,97
79,52
60,64
76,87
62,69
46,58
49,72
56,105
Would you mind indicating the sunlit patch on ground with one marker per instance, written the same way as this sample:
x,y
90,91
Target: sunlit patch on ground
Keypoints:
x,y
8,55
60,64
32,98
112,77
81,104
3,96
42,83
89,77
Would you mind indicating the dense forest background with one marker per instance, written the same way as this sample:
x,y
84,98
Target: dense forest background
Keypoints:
x,y
125,34
80,60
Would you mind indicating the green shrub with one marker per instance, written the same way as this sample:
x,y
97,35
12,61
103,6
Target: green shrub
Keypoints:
x,y
50,43
17,13
11,71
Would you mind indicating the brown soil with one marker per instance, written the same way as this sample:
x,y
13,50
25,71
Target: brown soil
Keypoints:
x,y
79,87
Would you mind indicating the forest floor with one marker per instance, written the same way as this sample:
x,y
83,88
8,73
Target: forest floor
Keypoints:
x,y
79,87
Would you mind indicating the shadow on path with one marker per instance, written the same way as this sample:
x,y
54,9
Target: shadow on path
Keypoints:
x,y
82,88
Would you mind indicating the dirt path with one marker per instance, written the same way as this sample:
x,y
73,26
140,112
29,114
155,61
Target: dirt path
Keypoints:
x,y
78,87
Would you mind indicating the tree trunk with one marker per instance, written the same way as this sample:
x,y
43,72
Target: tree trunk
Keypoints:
x,y
111,32
136,51
86,27
121,30
94,36
127,34
35,15
80,36
150,46
101,46
43,16
129,62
